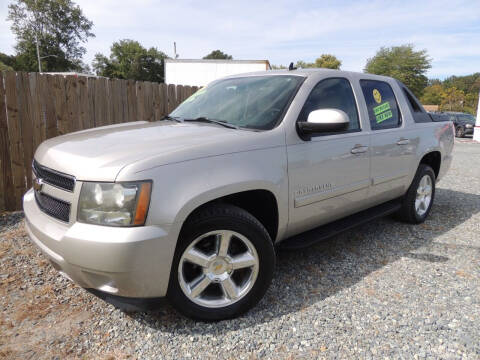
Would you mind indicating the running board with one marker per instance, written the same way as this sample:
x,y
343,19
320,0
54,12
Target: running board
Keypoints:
x,y
326,231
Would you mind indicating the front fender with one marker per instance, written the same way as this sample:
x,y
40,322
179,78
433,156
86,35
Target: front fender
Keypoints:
x,y
180,188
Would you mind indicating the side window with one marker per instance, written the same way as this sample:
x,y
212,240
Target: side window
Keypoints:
x,y
383,109
418,112
413,104
333,93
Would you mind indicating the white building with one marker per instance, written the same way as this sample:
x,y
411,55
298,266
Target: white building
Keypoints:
x,y
201,72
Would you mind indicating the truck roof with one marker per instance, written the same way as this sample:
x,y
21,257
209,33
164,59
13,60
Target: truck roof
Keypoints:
x,y
312,72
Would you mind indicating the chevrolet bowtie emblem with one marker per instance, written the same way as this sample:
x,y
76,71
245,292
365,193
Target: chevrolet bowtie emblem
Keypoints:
x,y
37,184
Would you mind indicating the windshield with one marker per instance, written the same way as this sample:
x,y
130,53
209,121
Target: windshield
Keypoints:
x,y
466,118
255,102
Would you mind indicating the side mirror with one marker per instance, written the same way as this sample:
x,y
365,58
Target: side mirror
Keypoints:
x,y
324,120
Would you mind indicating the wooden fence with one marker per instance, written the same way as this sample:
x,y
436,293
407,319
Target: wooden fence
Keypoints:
x,y
35,107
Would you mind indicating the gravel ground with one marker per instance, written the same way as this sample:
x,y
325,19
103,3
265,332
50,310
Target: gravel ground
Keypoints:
x,y
383,290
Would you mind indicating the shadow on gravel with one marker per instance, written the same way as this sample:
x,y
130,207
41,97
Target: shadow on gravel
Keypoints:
x,y
306,277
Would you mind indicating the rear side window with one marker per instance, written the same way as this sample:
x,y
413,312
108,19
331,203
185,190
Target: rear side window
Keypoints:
x,y
383,109
413,103
418,112
333,93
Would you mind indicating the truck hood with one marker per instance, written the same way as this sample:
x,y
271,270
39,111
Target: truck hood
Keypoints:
x,y
99,154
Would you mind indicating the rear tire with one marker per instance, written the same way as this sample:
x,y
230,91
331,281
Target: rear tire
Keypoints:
x,y
231,278
418,200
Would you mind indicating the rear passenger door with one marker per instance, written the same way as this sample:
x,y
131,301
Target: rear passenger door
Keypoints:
x,y
392,146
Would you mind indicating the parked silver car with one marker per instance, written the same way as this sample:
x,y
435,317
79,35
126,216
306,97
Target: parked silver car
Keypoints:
x,y
193,207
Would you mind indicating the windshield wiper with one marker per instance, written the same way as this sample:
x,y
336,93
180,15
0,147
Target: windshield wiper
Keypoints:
x,y
218,122
174,118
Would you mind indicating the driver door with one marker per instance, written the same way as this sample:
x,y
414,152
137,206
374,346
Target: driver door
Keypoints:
x,y
329,174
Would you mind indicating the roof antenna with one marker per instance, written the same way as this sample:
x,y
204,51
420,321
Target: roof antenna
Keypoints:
x,y
291,67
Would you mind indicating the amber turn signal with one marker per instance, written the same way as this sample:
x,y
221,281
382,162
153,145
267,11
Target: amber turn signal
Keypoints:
x,y
142,203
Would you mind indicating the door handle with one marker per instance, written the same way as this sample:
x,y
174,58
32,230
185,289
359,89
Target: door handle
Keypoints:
x,y
403,142
359,149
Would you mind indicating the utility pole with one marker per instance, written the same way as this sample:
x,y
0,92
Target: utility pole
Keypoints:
x,y
476,130
175,55
38,54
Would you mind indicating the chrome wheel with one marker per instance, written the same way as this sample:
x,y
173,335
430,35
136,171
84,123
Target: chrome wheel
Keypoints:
x,y
424,195
218,268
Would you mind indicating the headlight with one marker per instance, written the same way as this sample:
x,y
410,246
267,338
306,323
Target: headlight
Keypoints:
x,y
469,126
114,204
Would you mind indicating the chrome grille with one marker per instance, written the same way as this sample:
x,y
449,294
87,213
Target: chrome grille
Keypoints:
x,y
52,177
54,207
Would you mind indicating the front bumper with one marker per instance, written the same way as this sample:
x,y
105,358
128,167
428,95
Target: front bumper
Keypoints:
x,y
129,262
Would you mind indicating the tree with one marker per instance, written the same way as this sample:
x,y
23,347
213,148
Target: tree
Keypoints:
x,y
49,31
4,67
327,61
130,60
403,63
433,94
304,65
454,100
455,93
9,62
217,54
470,85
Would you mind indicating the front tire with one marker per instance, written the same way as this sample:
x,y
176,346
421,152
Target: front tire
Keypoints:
x,y
418,200
223,264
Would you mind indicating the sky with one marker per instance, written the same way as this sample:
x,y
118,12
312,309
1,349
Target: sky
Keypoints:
x,y
286,31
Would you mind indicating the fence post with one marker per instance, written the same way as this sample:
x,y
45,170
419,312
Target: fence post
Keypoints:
x,y
15,135
100,102
7,196
83,110
72,122
60,104
48,92
171,98
131,101
26,123
37,110
164,99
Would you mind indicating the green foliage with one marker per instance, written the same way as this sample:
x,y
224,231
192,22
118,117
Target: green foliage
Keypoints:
x,y
130,60
455,93
278,67
433,95
217,54
8,61
403,63
327,61
59,26
454,100
4,67
304,65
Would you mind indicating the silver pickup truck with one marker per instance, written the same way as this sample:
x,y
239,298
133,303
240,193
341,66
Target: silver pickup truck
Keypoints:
x,y
194,206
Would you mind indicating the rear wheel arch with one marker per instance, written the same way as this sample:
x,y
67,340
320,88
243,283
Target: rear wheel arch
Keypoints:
x,y
432,159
